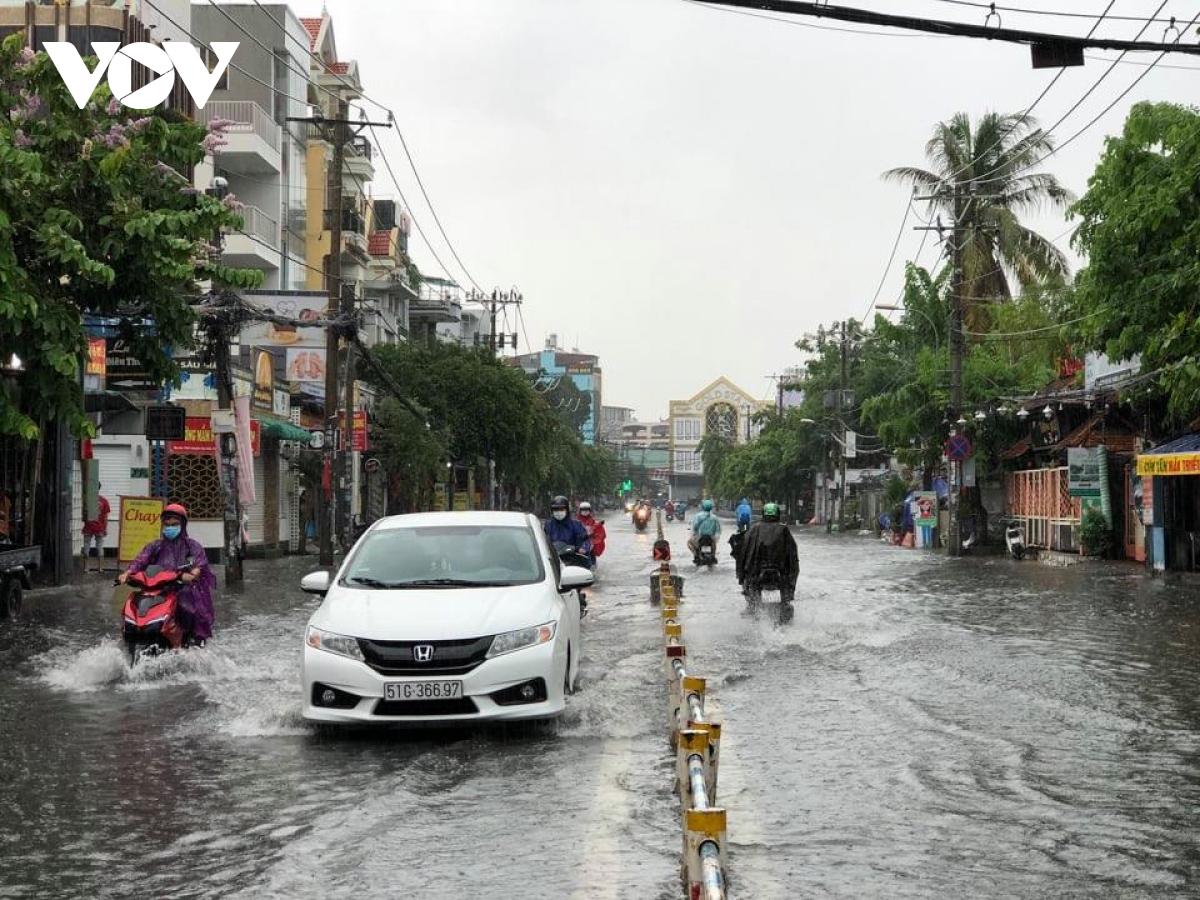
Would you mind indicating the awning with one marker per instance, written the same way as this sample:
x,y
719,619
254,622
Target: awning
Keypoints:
x,y
1178,457
107,401
284,431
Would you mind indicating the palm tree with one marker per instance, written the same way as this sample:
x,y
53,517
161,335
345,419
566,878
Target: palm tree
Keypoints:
x,y
987,170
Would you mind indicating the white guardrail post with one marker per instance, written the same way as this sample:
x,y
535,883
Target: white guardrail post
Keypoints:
x,y
697,744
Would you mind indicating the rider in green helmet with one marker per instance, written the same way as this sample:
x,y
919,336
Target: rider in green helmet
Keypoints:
x,y
769,545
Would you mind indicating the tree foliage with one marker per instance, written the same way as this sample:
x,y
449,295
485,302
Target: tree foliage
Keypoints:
x,y
93,223
981,175
1140,230
477,407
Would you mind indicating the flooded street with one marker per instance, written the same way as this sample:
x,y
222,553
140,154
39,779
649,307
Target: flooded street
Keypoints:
x,y
922,728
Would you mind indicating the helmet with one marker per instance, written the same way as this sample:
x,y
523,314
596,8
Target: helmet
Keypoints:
x,y
771,511
707,505
585,508
559,502
175,509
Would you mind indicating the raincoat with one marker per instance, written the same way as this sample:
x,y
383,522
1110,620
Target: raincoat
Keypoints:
x,y
597,534
568,531
770,544
744,513
196,613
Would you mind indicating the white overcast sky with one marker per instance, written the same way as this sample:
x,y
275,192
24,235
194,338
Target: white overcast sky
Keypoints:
x,y
685,191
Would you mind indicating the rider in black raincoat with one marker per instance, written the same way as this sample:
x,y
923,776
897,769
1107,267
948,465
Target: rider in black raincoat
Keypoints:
x,y
770,545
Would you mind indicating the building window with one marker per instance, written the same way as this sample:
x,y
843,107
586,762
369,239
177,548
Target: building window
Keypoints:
x,y
687,461
687,429
721,419
210,63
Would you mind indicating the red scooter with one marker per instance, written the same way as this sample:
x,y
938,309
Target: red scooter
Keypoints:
x,y
150,614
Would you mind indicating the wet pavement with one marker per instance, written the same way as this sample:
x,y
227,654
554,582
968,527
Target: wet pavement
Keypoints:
x,y
922,727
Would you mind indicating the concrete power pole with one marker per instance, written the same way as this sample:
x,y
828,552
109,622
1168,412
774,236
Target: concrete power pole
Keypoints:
x,y
956,358
841,407
338,132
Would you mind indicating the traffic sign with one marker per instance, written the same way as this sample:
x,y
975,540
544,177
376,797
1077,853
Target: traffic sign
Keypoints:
x,y
958,447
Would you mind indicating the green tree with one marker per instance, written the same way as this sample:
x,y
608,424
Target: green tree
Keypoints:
x,y
987,166
564,398
93,223
1140,231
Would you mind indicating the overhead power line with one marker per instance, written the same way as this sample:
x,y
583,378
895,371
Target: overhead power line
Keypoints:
x,y
1051,13
955,29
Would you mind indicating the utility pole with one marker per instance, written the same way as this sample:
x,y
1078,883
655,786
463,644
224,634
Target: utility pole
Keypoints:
x,y
220,338
337,131
500,300
841,406
956,355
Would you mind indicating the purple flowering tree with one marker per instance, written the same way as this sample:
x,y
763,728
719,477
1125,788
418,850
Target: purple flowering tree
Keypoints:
x,y
94,221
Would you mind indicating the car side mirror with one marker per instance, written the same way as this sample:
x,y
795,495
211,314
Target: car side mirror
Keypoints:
x,y
316,582
574,577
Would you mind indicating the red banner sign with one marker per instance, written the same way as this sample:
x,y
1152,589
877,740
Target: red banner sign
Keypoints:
x,y
198,437
97,350
359,438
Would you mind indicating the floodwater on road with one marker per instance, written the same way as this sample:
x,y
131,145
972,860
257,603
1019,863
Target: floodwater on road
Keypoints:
x,y
921,727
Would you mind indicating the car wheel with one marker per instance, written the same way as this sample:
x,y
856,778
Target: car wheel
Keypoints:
x,y
10,598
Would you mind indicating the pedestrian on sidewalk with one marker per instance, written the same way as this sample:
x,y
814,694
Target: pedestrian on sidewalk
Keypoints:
x,y
94,533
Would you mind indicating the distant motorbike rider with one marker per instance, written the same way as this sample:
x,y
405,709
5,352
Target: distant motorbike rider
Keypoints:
x,y
770,545
176,550
562,529
704,524
744,514
597,533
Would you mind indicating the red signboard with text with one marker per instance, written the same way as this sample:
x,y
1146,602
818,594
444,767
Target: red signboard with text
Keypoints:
x,y
198,437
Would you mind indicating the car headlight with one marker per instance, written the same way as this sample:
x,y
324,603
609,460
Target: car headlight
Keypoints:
x,y
333,643
519,640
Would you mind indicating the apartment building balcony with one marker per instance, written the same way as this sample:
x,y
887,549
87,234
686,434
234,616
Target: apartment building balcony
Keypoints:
x,y
360,165
253,146
256,246
354,238
430,307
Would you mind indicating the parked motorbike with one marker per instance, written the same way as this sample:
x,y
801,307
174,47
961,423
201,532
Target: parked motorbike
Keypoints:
x,y
706,551
1014,539
150,614
641,518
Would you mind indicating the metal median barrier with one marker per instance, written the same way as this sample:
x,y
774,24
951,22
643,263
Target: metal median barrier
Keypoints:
x,y
696,740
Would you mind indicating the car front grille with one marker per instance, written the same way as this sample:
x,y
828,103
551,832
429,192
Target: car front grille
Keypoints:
x,y
461,706
448,657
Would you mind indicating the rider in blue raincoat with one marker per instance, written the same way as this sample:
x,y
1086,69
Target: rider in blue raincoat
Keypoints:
x,y
561,528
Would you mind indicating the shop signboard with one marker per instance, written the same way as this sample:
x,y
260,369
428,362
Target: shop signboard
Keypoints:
x,y
1085,472
97,348
298,307
927,509
1169,464
262,393
139,525
306,366
198,437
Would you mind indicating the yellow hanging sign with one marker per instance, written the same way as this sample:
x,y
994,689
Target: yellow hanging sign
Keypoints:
x,y
140,524
1169,464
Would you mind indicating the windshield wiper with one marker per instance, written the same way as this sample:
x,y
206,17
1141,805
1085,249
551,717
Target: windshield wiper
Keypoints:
x,y
448,582
369,582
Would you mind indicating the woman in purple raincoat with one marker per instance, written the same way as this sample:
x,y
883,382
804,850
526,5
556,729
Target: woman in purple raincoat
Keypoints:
x,y
175,550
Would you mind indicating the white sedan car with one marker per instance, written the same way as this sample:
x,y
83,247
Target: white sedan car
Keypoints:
x,y
442,617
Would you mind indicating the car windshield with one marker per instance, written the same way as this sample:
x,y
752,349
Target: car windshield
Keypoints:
x,y
445,556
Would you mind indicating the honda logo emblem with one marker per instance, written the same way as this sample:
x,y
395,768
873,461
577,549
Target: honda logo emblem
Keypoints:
x,y
423,652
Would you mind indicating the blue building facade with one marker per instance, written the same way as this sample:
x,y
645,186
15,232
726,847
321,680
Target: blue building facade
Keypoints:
x,y
582,368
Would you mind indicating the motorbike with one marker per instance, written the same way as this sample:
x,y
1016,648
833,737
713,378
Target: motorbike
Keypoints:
x,y
706,551
573,556
150,614
1014,540
768,578
641,518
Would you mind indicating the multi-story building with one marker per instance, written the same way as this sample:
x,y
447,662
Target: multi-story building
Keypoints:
x,y
436,313
720,408
389,288
582,368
